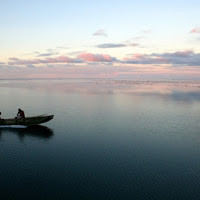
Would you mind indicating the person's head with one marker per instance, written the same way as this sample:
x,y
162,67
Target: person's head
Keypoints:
x,y
0,113
19,109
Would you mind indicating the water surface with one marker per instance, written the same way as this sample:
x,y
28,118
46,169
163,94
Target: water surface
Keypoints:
x,y
109,139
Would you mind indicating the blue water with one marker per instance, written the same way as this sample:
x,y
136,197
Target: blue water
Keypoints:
x,y
109,139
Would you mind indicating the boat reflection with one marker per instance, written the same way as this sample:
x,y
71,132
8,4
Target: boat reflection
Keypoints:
x,y
37,131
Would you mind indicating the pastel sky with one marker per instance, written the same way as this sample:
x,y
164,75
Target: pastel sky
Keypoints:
x,y
139,39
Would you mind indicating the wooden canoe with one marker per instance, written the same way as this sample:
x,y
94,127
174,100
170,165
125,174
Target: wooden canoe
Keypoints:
x,y
28,121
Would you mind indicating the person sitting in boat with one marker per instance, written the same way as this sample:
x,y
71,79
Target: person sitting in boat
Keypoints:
x,y
20,114
0,117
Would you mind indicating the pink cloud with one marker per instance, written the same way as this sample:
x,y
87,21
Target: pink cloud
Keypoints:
x,y
195,30
183,53
83,57
146,59
181,58
136,57
95,57
178,58
161,60
14,59
59,59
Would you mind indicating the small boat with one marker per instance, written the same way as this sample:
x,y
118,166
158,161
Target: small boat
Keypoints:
x,y
27,121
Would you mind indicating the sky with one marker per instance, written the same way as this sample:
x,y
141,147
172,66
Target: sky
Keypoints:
x,y
129,39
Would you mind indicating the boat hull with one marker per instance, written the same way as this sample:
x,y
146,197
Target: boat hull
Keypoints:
x,y
28,121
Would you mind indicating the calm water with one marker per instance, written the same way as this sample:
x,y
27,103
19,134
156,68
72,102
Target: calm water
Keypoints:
x,y
109,139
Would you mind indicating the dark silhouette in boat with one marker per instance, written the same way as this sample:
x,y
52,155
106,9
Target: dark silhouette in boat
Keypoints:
x,y
27,121
20,114
37,131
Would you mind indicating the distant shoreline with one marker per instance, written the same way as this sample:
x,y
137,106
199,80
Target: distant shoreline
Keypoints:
x,y
128,79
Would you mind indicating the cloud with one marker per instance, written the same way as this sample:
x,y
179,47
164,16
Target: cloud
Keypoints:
x,y
111,45
46,54
81,58
75,53
147,31
100,32
89,57
181,53
133,44
117,45
178,58
195,30
63,59
50,52
59,59
130,43
13,59
30,66
2,63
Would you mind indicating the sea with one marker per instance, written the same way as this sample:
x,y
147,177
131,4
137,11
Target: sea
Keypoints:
x,y
109,139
